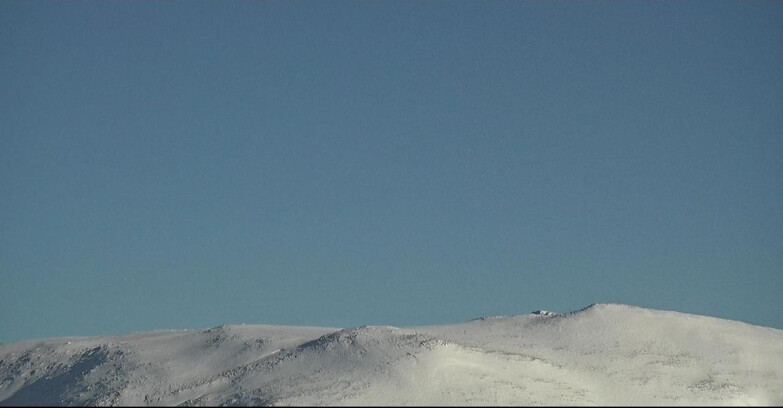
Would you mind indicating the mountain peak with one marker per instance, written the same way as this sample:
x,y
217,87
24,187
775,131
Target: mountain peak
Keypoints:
x,y
610,354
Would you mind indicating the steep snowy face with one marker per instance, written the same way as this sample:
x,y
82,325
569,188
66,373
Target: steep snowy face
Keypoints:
x,y
603,354
159,368
336,367
49,375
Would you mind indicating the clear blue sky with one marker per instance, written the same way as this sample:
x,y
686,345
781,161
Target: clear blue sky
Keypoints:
x,y
186,164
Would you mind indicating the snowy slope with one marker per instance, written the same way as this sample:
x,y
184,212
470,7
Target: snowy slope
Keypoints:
x,y
603,354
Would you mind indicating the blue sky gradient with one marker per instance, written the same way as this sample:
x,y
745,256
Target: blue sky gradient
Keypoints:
x,y
176,164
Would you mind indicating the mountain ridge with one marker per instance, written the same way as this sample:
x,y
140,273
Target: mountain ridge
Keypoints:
x,y
600,354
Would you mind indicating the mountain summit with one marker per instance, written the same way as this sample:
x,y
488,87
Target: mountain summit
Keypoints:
x,y
603,354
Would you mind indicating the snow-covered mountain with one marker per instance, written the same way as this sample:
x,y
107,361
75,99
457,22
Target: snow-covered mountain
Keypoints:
x,y
603,354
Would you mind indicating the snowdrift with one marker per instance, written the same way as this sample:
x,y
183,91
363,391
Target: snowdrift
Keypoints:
x,y
601,355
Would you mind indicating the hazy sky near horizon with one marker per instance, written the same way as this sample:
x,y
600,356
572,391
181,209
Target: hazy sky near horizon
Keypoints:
x,y
171,165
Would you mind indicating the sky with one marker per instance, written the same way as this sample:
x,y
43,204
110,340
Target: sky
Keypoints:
x,y
180,165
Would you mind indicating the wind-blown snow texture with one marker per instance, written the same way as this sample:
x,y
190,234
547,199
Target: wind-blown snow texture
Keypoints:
x,y
603,354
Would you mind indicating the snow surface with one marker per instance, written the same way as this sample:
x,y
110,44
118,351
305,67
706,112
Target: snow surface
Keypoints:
x,y
603,354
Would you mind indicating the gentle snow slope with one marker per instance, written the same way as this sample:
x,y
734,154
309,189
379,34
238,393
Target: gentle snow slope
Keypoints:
x,y
604,354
